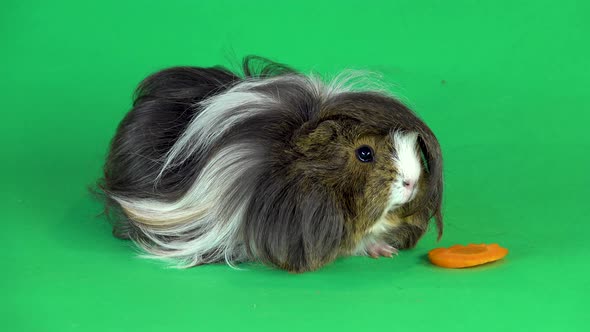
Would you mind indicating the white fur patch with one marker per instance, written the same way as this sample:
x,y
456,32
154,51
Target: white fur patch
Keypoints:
x,y
407,163
347,81
199,212
220,113
373,235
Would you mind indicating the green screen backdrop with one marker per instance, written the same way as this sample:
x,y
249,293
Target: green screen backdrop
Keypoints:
x,y
503,84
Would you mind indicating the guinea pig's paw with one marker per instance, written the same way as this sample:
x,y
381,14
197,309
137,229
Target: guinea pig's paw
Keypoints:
x,y
381,249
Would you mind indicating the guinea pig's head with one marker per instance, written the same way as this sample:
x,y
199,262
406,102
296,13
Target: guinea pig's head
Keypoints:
x,y
369,172
374,155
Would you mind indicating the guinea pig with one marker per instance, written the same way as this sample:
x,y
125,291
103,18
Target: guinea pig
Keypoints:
x,y
270,166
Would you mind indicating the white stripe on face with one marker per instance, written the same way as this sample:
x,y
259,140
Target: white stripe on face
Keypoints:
x,y
406,161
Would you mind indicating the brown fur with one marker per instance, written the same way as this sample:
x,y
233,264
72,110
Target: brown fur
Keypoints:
x,y
327,155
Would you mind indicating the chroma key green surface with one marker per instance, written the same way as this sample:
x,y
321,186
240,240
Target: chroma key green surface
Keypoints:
x,y
503,84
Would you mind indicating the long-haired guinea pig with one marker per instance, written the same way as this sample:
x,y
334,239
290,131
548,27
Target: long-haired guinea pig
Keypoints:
x,y
271,166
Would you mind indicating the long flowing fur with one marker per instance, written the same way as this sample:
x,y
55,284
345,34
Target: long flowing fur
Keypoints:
x,y
194,173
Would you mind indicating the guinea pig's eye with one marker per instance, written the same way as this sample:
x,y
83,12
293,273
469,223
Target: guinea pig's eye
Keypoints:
x,y
365,154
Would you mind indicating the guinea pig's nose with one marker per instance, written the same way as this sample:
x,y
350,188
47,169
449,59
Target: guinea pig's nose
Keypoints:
x,y
408,184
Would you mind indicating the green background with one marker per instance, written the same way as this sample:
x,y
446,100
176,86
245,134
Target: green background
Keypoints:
x,y
504,85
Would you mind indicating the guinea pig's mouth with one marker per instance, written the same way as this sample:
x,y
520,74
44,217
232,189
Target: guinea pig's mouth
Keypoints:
x,y
407,199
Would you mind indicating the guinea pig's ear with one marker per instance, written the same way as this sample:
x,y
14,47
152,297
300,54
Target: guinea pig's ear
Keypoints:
x,y
292,228
312,136
431,202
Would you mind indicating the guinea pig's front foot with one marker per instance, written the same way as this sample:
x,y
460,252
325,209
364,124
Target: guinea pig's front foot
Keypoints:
x,y
381,249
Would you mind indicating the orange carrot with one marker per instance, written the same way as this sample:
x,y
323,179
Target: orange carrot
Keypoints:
x,y
459,256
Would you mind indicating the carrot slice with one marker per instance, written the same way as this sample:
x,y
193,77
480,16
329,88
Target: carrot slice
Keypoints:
x,y
459,256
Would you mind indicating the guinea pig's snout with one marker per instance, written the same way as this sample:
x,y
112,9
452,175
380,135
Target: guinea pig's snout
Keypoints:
x,y
409,184
410,188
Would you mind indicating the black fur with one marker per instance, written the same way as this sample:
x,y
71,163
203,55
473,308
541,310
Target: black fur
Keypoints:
x,y
293,232
164,104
